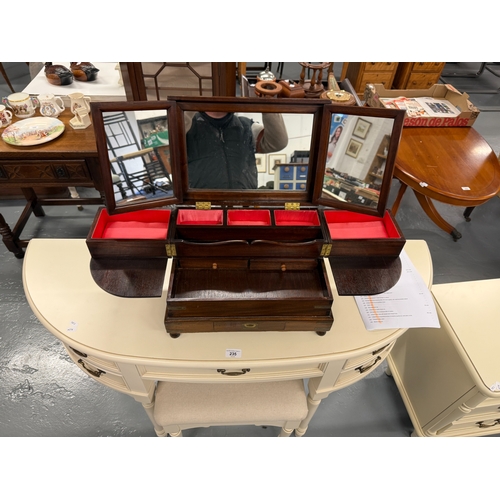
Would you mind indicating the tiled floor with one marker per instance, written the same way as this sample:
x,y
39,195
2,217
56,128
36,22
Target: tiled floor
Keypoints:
x,y
42,392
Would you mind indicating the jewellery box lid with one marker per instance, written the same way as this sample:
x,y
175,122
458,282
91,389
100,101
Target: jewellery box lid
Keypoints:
x,y
349,152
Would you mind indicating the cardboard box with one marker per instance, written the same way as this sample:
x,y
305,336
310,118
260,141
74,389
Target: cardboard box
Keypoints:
x,y
468,112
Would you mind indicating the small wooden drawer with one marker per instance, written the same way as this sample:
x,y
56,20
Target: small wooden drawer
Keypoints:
x,y
366,359
44,171
428,66
422,80
103,364
206,263
231,373
283,265
381,66
385,78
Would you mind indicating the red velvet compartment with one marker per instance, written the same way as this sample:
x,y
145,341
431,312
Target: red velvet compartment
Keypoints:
x,y
296,218
248,218
142,225
200,217
344,225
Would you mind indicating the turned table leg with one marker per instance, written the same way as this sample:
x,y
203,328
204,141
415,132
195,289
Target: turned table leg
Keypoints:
x,y
10,241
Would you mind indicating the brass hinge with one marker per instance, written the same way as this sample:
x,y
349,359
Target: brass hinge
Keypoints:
x,y
203,205
292,206
170,250
325,250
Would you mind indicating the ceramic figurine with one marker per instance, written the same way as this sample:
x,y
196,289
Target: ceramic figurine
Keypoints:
x,y
57,74
84,71
80,107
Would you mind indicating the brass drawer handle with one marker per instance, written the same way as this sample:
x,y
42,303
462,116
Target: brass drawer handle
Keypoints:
x,y
482,425
363,369
233,374
81,354
374,353
250,325
96,373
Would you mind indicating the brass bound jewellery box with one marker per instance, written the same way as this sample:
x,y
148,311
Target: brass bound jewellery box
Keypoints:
x,y
246,203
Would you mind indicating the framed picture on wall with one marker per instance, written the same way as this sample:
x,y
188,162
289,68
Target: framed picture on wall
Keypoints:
x,y
261,162
353,148
275,159
361,129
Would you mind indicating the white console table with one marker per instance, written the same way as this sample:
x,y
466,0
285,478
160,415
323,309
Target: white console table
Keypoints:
x,y
122,342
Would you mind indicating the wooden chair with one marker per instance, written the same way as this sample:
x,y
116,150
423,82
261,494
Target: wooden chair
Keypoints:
x,y
180,406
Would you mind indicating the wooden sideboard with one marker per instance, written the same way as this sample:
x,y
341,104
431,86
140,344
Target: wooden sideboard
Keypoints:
x,y
67,161
122,342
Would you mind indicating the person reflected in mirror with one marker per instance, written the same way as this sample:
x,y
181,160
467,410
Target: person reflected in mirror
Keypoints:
x,y
221,148
332,143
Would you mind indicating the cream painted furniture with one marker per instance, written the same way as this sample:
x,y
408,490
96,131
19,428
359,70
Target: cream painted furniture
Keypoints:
x,y
181,406
449,378
122,342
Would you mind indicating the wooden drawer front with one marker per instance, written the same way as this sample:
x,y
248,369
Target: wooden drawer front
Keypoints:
x,y
229,373
474,425
103,364
95,368
386,78
283,265
359,367
380,66
214,263
175,326
366,359
488,409
44,171
428,66
422,80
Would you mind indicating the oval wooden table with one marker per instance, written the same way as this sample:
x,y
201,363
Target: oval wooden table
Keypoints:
x,y
453,165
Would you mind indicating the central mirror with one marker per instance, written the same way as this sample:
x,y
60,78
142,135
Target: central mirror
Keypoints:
x,y
242,151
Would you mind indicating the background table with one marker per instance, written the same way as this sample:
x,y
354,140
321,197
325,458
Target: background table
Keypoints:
x,y
453,165
68,161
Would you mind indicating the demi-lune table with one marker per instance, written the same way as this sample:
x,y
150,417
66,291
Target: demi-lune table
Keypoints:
x,y
122,342
453,165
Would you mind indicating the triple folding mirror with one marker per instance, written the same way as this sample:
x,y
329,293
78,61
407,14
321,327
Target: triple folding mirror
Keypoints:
x,y
245,151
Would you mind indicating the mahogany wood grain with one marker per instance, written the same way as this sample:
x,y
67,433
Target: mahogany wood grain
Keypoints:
x,y
453,165
67,161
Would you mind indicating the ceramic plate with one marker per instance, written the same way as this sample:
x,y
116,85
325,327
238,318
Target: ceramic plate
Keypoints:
x,y
32,131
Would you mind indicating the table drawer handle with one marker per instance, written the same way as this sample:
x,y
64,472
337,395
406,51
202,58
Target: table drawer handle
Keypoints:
x,y
96,373
482,425
81,354
250,325
233,374
379,350
363,369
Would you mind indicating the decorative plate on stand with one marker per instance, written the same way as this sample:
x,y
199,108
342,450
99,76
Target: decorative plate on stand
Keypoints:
x,y
33,131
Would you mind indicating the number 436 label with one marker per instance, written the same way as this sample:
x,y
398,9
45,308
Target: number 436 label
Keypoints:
x,y
233,353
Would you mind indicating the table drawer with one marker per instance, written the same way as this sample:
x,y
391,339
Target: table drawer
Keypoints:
x,y
103,364
227,372
95,368
44,171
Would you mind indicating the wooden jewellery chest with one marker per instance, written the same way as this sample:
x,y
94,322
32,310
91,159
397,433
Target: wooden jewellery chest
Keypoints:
x,y
242,253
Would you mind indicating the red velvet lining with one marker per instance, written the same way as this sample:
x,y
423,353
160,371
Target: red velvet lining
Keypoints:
x,y
202,217
349,225
248,218
144,224
296,218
